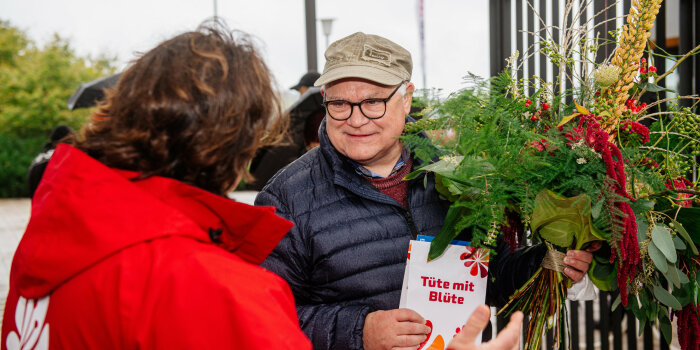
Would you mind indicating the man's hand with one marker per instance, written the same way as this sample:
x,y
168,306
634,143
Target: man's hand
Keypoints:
x,y
507,339
397,329
578,261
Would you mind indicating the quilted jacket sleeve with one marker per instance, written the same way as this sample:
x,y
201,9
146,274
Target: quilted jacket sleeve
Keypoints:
x,y
329,325
509,271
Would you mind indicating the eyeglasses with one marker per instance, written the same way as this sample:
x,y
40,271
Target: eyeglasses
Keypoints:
x,y
371,108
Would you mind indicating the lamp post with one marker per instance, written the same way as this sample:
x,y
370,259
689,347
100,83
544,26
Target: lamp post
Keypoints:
x,y
327,23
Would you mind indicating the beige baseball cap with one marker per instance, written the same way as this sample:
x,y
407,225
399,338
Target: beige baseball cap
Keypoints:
x,y
366,56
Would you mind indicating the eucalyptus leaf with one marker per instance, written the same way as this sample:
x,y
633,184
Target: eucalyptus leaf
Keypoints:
x,y
666,298
641,205
684,233
683,277
661,236
665,327
616,303
658,258
678,242
672,276
642,228
642,324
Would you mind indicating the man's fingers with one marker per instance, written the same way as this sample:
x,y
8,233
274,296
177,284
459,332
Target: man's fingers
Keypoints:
x,y
403,315
409,340
580,255
411,328
575,275
595,246
509,337
476,323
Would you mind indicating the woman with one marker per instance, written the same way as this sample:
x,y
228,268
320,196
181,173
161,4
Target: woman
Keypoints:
x,y
124,245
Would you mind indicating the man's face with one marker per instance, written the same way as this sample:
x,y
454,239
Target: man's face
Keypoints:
x,y
370,142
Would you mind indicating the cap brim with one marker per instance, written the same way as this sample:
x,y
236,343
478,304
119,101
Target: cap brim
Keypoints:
x,y
358,71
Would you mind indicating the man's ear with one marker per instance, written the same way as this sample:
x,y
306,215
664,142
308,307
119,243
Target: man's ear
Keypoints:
x,y
408,97
323,91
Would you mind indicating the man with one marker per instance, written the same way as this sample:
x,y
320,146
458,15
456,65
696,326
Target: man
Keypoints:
x,y
306,81
354,216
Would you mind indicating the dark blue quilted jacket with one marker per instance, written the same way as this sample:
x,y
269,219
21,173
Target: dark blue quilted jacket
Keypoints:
x,y
346,254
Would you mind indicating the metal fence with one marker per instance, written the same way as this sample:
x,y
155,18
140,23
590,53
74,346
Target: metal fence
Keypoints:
x,y
594,326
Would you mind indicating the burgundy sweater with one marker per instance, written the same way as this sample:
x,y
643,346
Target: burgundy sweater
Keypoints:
x,y
393,186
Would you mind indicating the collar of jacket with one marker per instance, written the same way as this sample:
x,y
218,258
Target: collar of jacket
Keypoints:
x,y
84,211
344,173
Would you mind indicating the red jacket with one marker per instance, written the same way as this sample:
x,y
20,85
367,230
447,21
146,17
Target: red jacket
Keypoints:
x,y
110,263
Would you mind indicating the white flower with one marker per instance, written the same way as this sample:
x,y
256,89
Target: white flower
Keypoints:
x,y
31,333
581,161
606,75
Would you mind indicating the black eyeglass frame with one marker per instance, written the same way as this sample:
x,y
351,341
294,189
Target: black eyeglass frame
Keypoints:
x,y
359,105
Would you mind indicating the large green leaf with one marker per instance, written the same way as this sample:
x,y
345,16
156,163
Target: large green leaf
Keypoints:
x,y
447,233
641,205
666,298
690,218
651,87
684,233
603,275
658,258
661,236
564,221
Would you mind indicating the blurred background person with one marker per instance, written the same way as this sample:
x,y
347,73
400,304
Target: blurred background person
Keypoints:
x,y
131,241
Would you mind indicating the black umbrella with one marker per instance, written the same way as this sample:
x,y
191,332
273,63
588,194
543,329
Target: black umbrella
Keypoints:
x,y
89,93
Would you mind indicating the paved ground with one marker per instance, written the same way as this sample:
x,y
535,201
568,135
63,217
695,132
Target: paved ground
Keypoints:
x,y
14,215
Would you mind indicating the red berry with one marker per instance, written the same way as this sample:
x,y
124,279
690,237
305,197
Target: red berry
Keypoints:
x,y
545,106
533,118
528,103
643,70
652,69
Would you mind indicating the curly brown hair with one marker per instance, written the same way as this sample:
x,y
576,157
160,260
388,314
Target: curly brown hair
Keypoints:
x,y
195,108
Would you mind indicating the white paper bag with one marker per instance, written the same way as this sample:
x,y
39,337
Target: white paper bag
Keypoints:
x,y
446,290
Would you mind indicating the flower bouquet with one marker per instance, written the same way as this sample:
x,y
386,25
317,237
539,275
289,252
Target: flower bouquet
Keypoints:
x,y
569,168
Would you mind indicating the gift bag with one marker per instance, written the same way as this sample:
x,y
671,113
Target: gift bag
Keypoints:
x,y
445,291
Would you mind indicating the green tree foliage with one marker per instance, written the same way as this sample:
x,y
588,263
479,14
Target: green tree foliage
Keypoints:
x,y
35,84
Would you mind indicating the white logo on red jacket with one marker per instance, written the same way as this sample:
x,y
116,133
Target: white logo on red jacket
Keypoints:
x,y
32,332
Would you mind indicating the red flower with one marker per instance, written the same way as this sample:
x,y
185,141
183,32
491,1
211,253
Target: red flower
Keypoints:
x,y
652,69
636,128
540,145
681,183
643,70
534,118
545,106
528,103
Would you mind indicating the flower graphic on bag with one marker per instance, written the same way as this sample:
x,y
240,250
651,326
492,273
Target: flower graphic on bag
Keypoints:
x,y
31,333
478,260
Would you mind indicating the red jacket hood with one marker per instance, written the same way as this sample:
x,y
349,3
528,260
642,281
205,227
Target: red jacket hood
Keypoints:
x,y
84,211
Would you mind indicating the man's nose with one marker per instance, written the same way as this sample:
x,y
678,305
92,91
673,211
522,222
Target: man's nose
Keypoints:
x,y
357,119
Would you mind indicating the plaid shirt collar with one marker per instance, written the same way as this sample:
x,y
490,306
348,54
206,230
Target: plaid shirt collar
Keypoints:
x,y
360,170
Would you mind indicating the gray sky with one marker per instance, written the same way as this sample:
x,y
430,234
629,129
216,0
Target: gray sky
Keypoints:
x,y
456,31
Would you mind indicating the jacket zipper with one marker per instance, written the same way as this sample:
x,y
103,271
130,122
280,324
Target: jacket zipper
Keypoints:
x,y
411,225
